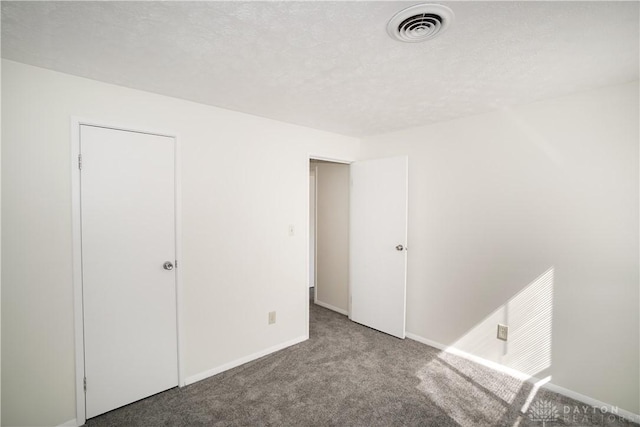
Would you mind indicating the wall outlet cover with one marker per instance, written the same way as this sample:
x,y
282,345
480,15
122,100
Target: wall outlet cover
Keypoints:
x,y
503,332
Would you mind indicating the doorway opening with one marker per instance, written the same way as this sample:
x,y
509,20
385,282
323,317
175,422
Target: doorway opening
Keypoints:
x,y
329,235
359,242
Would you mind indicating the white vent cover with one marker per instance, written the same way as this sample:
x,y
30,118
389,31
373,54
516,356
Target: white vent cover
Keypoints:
x,y
420,22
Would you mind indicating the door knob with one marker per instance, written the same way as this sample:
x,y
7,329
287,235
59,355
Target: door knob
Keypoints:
x,y
168,265
399,248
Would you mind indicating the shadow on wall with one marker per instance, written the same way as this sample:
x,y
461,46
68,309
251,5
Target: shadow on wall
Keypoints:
x,y
460,387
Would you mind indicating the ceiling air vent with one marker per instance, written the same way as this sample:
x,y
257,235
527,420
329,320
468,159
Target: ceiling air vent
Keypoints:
x,y
420,22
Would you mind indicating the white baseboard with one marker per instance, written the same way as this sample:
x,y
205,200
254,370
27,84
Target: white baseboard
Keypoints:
x,y
611,409
70,423
479,360
211,372
525,377
330,307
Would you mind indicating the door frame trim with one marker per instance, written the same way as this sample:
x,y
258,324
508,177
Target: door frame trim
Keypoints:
x,y
76,227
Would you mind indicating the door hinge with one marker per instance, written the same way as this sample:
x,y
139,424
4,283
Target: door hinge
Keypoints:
x,y
84,382
80,161
176,263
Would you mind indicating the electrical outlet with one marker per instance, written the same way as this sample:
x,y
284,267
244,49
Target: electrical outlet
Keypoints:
x,y
272,317
503,332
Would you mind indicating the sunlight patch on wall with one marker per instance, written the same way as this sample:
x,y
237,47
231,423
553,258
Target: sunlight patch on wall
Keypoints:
x,y
529,315
460,387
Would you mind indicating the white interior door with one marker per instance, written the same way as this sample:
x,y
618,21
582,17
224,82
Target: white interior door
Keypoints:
x,y
129,298
378,240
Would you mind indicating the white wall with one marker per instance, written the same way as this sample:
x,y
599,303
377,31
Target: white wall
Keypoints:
x,y
514,210
244,180
332,184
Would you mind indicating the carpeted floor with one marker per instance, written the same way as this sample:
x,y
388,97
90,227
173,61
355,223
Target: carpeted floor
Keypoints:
x,y
350,375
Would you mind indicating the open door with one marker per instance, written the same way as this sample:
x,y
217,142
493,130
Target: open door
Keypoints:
x,y
378,240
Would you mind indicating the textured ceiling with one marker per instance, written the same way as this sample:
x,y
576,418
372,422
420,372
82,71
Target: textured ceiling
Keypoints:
x,y
331,65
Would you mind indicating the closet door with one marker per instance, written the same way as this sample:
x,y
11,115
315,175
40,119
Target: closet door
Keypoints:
x,y
128,254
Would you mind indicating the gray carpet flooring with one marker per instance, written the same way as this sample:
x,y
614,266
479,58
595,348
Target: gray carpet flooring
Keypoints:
x,y
350,375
